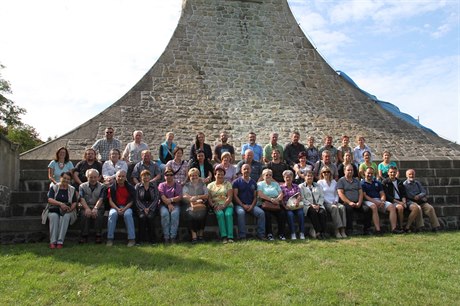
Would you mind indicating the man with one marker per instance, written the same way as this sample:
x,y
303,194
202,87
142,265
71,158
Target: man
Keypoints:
x,y
268,149
374,198
395,193
222,148
277,166
292,150
89,162
329,147
312,152
121,197
252,145
92,195
146,164
359,150
351,195
256,167
245,199
104,145
325,161
417,193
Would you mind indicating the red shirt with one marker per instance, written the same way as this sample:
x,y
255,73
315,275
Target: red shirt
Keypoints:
x,y
122,195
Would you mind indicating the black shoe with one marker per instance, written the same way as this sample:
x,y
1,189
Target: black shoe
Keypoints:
x,y
397,231
378,233
83,240
194,241
200,239
435,229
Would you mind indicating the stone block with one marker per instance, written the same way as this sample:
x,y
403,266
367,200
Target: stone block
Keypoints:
x,y
454,172
453,210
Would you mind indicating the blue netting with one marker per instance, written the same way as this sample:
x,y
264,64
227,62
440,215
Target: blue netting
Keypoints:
x,y
387,105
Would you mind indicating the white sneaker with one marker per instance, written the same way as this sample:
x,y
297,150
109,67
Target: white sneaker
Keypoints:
x,y
344,235
302,236
293,237
337,234
312,233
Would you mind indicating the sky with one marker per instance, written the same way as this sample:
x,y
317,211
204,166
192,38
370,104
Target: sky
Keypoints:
x,y
73,59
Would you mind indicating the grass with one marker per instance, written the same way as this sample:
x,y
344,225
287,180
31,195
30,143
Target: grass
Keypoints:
x,y
419,269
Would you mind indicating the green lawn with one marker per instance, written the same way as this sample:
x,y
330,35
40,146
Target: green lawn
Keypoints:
x,y
421,269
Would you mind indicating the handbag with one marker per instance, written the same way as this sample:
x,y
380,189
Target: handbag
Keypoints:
x,y
291,203
269,206
45,213
198,206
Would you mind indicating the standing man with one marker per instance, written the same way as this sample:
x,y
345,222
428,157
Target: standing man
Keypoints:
x,y
245,198
256,167
417,193
351,195
92,195
325,161
292,150
268,149
312,152
222,148
329,147
277,166
374,198
121,197
104,145
146,164
89,162
252,145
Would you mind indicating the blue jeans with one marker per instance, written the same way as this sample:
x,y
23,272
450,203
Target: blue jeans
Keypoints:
x,y
300,215
170,221
258,213
129,223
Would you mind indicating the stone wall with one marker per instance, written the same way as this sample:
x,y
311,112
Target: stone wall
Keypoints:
x,y
246,66
9,173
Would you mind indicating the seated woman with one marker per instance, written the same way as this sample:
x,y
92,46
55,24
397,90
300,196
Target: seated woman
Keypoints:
x,y
289,190
171,197
367,163
112,166
166,151
220,199
199,144
178,166
204,167
331,202
62,202
301,168
147,198
313,199
270,200
195,194
60,164
385,165
226,164
347,160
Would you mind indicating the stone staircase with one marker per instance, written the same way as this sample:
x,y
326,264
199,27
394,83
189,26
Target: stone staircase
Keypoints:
x,y
440,177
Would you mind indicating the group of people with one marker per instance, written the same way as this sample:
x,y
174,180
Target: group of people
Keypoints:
x,y
288,183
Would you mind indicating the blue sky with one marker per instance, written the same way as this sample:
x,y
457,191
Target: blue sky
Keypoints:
x,y
61,54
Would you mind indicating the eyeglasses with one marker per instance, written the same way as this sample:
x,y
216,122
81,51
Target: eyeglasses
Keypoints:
x,y
168,175
109,132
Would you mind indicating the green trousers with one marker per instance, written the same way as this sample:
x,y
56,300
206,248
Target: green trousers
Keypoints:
x,y
225,221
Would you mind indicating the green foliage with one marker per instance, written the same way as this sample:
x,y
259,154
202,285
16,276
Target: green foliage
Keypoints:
x,y
24,135
419,269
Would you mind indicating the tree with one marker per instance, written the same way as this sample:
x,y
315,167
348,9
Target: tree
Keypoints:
x,y
10,120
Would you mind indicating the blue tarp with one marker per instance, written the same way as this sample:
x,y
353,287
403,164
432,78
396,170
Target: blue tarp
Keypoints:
x,y
387,105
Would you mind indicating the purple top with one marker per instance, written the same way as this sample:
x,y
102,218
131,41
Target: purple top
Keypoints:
x,y
170,191
287,193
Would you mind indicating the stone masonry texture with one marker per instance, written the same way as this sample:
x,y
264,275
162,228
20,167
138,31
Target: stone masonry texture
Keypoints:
x,y
245,66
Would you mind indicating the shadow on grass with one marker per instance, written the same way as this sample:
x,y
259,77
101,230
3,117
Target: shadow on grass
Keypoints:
x,y
157,258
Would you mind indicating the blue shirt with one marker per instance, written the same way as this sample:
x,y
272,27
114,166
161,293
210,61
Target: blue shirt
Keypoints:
x,y
372,189
257,149
245,189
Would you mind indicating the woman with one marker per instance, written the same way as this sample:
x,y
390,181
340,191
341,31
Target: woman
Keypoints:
x,y
111,166
230,170
200,145
59,165
368,163
195,194
347,160
385,165
313,200
166,151
270,200
289,190
344,148
62,201
220,200
171,197
204,167
331,202
178,166
147,198
301,168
